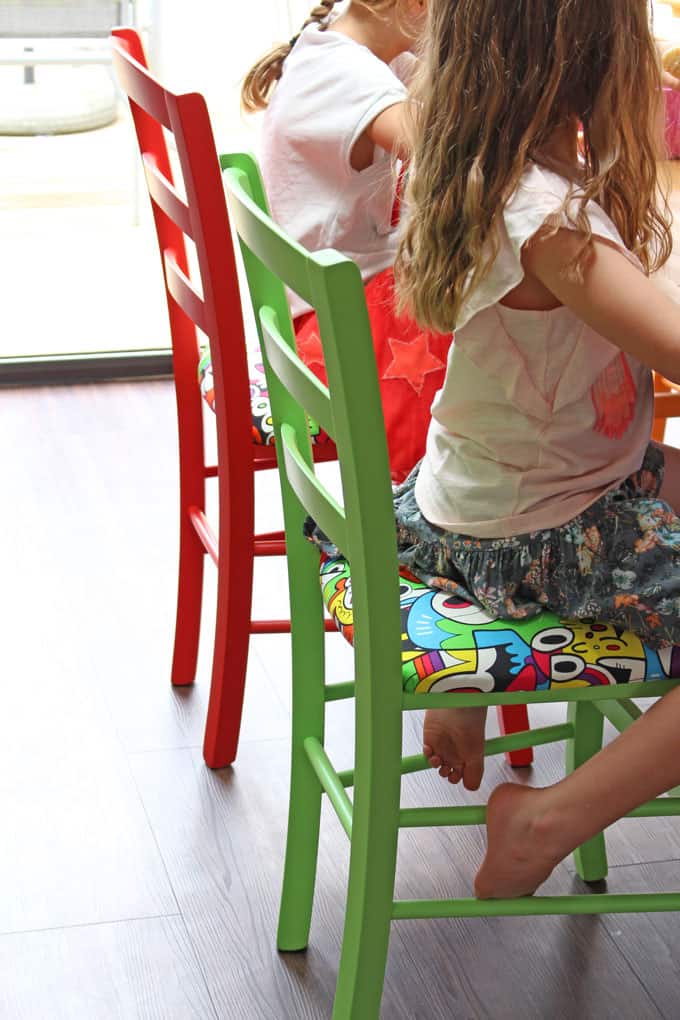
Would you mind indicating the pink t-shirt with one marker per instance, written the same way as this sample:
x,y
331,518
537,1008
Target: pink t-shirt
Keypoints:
x,y
517,442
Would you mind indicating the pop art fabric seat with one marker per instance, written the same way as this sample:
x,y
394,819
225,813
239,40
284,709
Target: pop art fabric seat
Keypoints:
x,y
451,645
262,423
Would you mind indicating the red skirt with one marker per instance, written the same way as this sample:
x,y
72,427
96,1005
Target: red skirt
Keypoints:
x,y
411,365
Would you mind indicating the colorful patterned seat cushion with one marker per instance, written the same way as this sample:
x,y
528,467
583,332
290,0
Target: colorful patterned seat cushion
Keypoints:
x,y
263,427
450,645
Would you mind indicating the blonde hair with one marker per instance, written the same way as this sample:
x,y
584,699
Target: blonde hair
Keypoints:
x,y
497,81
263,76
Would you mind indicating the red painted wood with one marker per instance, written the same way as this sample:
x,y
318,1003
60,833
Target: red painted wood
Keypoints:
x,y
203,217
515,719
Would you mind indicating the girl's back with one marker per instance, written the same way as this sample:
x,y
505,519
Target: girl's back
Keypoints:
x,y
541,411
330,90
539,414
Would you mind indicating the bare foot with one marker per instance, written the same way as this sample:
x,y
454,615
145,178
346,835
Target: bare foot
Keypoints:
x,y
522,844
453,740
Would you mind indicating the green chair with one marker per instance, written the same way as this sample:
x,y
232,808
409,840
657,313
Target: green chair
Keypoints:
x,y
363,527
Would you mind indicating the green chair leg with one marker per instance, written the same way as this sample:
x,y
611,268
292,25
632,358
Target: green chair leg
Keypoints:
x,y
304,815
590,858
369,905
302,845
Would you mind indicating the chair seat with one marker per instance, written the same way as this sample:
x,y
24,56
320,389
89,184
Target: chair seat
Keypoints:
x,y
263,426
451,645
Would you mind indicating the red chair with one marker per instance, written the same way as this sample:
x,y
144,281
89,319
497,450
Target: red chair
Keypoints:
x,y
203,217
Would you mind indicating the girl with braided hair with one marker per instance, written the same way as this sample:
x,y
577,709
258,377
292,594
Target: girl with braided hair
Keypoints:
x,y
331,143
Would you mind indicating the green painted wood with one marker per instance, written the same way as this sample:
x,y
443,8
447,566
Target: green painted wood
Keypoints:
x,y
649,689
301,382
339,692
496,745
534,906
330,782
590,858
414,818
363,526
619,713
311,494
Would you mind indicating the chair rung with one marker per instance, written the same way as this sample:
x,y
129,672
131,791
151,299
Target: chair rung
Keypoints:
x,y
496,745
264,548
648,689
270,626
283,627
419,818
657,808
528,906
621,714
339,692
204,532
422,818
330,782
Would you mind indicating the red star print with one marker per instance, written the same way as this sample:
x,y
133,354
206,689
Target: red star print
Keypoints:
x,y
412,361
310,350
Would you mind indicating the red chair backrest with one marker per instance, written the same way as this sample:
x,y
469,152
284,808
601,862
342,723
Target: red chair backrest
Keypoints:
x,y
202,217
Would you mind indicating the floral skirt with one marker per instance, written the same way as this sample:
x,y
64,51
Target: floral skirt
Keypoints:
x,y
617,562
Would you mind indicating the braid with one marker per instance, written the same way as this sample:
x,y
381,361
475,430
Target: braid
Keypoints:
x,y
319,13
261,79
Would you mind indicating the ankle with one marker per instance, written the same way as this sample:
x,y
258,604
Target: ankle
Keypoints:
x,y
550,827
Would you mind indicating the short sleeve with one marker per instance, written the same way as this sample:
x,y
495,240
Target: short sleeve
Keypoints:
x,y
371,87
538,199
355,86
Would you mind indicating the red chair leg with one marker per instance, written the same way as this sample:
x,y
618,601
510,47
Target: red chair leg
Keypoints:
x,y
232,622
515,719
189,599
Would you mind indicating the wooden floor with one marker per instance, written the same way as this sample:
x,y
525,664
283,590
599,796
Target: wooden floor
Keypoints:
x,y
134,882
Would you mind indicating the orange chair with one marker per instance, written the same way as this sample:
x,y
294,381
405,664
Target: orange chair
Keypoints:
x,y
215,308
666,405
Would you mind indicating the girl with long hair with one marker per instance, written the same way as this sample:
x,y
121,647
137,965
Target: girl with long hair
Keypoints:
x,y
535,220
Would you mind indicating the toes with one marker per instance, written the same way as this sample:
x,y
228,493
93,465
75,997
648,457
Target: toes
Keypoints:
x,y
472,774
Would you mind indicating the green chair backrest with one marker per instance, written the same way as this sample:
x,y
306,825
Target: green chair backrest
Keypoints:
x,y
349,409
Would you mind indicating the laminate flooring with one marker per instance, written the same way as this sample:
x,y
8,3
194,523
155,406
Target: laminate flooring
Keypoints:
x,y
135,882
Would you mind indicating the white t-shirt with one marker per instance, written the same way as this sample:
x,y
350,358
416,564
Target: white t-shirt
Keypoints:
x,y
514,444
331,89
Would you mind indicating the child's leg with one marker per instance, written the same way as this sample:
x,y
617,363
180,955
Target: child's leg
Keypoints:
x,y
529,831
453,740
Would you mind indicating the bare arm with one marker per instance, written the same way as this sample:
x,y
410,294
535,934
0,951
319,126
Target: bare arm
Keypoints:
x,y
388,131
615,299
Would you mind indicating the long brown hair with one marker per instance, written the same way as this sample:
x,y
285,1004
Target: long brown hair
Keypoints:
x,y
263,76
497,81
